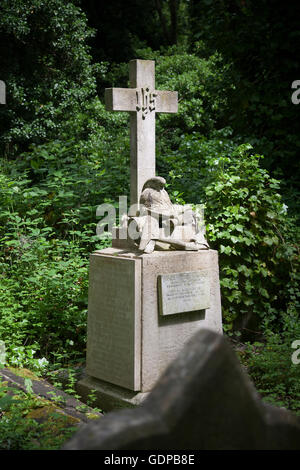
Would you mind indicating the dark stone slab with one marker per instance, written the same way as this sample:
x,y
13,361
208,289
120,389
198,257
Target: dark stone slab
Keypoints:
x,y
204,401
68,404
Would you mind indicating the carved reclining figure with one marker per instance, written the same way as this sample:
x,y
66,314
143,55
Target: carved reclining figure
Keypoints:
x,y
159,221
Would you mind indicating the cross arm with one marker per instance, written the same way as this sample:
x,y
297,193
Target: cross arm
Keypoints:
x,y
126,99
120,99
166,101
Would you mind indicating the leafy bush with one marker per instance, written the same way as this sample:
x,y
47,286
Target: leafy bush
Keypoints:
x,y
271,367
247,223
203,85
43,299
46,67
263,71
43,280
48,201
20,431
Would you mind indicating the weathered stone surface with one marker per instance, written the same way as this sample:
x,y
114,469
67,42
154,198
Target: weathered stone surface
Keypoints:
x,y
203,401
164,336
66,403
114,321
158,219
184,292
142,101
121,238
129,343
108,396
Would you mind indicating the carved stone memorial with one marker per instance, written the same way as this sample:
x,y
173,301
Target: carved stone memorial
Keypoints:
x,y
148,294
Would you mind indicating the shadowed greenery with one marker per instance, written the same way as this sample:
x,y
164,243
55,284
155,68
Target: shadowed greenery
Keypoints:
x,y
233,147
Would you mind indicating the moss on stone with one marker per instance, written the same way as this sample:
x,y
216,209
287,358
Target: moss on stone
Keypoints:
x,y
50,413
25,373
92,416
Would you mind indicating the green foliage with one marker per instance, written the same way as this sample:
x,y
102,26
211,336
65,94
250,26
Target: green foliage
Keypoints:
x,y
271,368
247,223
45,288
260,40
46,67
43,280
19,431
48,201
203,85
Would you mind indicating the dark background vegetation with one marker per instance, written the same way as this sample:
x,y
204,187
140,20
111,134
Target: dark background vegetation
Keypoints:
x,y
233,146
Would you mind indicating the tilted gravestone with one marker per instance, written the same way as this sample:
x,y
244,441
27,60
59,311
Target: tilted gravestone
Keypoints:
x,y
143,307
203,401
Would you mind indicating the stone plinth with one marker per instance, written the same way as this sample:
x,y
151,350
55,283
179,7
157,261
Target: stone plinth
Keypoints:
x,y
130,342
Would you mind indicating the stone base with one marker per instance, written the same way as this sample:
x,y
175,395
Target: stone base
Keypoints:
x,y
108,396
132,336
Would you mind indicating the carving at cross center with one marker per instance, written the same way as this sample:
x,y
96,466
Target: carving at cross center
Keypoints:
x,y
142,101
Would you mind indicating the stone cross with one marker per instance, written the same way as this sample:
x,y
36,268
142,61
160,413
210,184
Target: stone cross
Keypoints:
x,y
142,101
2,93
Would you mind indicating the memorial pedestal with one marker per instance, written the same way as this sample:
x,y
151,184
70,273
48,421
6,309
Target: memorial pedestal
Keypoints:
x,y
142,309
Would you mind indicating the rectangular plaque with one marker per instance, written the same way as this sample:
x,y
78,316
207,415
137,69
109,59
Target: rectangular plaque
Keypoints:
x,y
114,321
183,292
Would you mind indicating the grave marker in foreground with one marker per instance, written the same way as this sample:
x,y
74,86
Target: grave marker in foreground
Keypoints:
x,y
204,401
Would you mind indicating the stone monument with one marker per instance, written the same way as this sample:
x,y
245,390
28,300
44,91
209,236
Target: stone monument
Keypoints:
x,y
147,296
